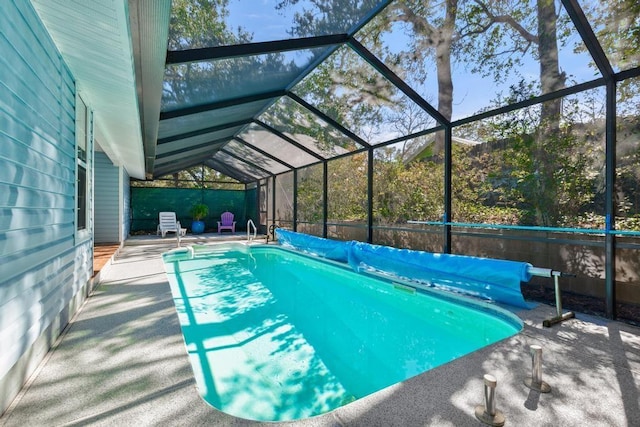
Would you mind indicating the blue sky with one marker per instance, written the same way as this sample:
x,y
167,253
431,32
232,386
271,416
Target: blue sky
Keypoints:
x,y
471,91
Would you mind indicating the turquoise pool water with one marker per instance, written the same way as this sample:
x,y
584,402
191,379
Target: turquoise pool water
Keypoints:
x,y
274,335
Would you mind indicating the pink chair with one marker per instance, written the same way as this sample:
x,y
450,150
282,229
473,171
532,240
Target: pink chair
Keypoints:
x,y
226,222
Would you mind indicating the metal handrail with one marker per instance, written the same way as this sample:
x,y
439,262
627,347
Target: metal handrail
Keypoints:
x,y
255,230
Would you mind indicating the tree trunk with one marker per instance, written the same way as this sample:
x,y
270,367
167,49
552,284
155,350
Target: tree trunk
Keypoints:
x,y
551,79
443,67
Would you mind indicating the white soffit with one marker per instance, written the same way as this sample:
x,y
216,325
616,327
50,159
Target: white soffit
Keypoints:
x,y
94,39
149,34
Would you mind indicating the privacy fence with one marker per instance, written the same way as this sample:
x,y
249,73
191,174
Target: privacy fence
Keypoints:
x,y
146,203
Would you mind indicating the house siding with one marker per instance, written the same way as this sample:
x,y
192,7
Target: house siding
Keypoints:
x,y
44,271
107,200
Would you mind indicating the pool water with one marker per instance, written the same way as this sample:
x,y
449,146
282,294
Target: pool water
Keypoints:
x,y
274,335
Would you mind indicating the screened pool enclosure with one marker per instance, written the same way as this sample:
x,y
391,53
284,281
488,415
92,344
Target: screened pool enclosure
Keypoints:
x,y
508,129
505,129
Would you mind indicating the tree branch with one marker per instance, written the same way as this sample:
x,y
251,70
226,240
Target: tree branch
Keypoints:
x,y
421,25
512,51
479,30
506,19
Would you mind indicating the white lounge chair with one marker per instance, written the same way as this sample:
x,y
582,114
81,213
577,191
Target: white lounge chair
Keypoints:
x,y
167,223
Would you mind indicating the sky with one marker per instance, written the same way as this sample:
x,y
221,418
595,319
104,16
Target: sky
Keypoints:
x,y
471,91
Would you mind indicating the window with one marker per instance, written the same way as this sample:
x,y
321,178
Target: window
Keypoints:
x,y
82,197
83,150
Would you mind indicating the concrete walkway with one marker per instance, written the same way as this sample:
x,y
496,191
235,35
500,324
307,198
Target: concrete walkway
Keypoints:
x,y
123,362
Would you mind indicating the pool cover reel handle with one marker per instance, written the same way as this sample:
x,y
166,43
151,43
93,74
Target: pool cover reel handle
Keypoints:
x,y
559,316
547,272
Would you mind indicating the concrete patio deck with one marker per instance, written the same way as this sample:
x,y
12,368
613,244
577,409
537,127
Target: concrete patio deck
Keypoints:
x,y
122,361
190,239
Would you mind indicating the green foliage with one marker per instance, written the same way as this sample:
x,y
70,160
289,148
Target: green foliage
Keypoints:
x,y
540,165
631,223
194,177
548,168
202,23
199,23
403,193
310,195
326,16
199,211
617,27
350,92
347,192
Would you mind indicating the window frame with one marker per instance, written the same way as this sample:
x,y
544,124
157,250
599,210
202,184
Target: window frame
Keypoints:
x,y
83,170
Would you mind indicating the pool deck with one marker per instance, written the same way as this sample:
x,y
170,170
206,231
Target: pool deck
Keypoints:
x,y
122,361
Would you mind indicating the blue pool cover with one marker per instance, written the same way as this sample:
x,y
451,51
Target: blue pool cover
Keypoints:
x,y
492,279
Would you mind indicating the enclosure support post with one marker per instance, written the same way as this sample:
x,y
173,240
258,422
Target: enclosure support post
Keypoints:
x,y
325,192
295,200
610,254
579,19
273,200
370,196
447,190
258,210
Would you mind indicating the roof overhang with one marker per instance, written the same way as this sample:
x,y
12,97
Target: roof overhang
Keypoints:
x,y
115,49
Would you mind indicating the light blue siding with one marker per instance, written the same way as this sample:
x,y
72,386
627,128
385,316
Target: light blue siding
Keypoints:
x,y
107,200
43,270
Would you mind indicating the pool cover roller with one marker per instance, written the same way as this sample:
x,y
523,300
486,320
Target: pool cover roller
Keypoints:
x,y
492,279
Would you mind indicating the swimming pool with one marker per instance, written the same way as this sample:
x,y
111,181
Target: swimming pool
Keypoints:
x,y
274,335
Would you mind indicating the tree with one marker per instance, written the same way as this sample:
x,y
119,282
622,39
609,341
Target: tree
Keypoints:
x,y
319,17
310,200
473,28
616,24
203,23
407,192
434,35
194,177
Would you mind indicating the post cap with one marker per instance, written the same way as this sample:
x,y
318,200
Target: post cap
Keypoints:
x,y
490,380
